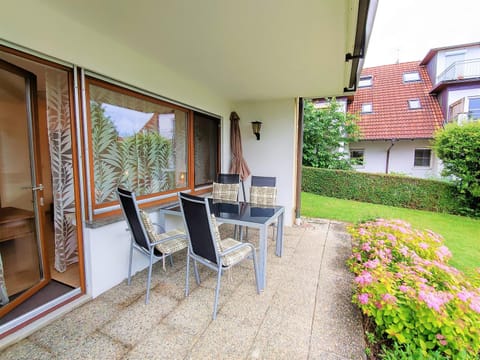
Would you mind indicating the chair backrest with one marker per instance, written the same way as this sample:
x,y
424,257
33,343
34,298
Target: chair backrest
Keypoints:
x,y
196,216
264,181
228,178
129,207
263,190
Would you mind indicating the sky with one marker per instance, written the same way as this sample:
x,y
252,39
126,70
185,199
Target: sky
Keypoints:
x,y
405,30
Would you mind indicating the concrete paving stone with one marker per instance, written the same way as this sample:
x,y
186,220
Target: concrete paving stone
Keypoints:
x,y
246,305
66,332
135,322
194,313
325,355
337,325
25,350
282,335
226,338
163,342
95,346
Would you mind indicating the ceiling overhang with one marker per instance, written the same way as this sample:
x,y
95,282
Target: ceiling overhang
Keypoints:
x,y
241,50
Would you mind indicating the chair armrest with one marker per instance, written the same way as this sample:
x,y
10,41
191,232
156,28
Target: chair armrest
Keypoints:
x,y
236,247
178,236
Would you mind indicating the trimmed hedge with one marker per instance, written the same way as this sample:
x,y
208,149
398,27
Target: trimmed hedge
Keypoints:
x,y
392,190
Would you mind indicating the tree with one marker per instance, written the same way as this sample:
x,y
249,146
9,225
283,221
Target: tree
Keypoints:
x,y
458,146
326,132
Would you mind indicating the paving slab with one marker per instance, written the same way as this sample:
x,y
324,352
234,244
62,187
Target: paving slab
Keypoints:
x,y
305,312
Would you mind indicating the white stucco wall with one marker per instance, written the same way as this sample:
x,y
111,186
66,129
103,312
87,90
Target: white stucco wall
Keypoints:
x,y
401,158
274,153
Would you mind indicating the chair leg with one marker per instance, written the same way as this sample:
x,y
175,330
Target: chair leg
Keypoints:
x,y
195,269
171,259
130,263
217,292
255,267
187,276
149,276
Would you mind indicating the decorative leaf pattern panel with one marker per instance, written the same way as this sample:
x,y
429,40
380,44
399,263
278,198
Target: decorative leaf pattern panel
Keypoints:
x,y
136,143
60,146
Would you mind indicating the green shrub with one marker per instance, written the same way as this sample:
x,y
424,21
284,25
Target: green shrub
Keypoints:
x,y
405,284
458,146
393,190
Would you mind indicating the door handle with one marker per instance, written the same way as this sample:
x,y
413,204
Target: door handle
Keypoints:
x,y
33,188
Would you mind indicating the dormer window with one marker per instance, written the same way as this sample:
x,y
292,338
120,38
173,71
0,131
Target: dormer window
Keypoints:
x,y
411,76
367,108
365,81
414,104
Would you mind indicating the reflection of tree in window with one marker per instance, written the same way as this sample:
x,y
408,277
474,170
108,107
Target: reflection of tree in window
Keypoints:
x,y
356,156
136,144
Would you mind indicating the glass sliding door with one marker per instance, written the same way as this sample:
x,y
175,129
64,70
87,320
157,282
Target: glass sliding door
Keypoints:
x,y
23,271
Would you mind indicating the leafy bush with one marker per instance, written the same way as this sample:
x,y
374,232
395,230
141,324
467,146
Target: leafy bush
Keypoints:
x,y
393,190
405,284
325,132
459,149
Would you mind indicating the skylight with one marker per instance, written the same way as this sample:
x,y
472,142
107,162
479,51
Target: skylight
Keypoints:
x,y
411,76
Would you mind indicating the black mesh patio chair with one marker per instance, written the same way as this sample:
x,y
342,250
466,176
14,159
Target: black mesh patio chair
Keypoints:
x,y
205,245
155,244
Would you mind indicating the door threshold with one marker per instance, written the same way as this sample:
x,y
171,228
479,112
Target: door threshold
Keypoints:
x,y
34,320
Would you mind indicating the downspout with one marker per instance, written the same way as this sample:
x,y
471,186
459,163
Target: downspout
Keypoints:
x,y
388,155
298,195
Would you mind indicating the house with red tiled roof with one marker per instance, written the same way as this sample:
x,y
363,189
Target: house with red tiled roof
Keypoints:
x,y
398,119
455,75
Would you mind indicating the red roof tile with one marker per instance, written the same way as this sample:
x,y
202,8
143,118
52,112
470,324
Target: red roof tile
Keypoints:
x,y
391,118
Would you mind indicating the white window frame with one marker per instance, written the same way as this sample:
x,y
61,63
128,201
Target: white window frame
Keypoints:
x,y
367,108
414,104
408,77
429,161
365,81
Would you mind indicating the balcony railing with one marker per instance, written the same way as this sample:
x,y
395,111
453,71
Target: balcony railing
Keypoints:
x,y
459,70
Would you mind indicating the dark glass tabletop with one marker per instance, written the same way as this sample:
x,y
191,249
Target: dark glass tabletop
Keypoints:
x,y
243,211
239,211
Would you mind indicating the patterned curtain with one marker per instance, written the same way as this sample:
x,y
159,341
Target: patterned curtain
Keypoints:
x,y
3,289
60,144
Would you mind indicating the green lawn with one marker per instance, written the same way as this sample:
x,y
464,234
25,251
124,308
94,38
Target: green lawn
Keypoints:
x,y
462,234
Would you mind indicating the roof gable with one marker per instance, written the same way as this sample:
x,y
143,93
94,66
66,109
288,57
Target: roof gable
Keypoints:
x,y
389,95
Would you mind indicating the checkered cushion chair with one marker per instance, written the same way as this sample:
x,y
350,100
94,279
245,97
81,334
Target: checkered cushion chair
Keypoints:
x,y
226,192
154,245
207,247
263,192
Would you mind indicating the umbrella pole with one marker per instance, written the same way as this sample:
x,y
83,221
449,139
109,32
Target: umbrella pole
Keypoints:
x,y
243,188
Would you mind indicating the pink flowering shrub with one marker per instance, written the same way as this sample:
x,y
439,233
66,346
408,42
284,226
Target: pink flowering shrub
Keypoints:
x,y
404,282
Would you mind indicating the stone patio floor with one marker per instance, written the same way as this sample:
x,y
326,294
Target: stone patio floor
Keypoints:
x,y
305,311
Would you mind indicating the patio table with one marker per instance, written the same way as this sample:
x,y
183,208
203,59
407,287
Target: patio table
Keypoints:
x,y
250,215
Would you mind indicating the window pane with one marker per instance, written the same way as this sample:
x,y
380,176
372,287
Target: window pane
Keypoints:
x,y
206,149
412,76
422,157
137,143
365,81
356,156
474,108
414,104
367,108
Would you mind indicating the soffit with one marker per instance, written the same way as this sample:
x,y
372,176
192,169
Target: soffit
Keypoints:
x,y
242,50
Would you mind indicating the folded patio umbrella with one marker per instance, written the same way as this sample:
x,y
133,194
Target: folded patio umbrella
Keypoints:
x,y
238,165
